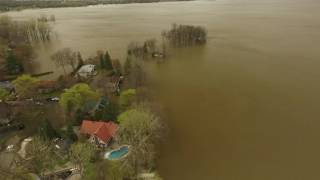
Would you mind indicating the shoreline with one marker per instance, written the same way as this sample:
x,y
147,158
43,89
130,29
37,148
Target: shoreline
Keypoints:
x,y
20,6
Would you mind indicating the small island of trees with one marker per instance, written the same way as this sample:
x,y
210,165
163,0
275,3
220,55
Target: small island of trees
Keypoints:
x,y
185,35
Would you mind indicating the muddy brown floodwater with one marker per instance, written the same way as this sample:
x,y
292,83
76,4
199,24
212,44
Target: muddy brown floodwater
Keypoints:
x,y
244,107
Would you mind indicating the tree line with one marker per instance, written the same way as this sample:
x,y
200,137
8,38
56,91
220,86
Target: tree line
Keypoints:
x,y
7,5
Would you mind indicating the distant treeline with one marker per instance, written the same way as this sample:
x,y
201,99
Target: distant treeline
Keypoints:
x,y
7,5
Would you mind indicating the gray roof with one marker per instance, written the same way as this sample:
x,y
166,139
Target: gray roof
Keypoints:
x,y
7,85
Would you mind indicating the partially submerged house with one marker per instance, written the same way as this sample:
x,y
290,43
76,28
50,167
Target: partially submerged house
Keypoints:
x,y
87,71
99,132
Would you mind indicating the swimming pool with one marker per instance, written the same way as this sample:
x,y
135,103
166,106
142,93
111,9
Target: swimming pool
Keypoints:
x,y
117,154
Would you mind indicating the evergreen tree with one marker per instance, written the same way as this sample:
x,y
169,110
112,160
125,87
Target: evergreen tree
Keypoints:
x,y
103,64
112,111
78,117
108,63
46,131
69,134
80,59
13,65
108,113
127,66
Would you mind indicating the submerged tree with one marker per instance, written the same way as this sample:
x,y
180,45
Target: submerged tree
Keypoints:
x,y
14,66
105,60
137,77
149,46
127,66
135,74
185,35
142,50
52,18
65,57
44,31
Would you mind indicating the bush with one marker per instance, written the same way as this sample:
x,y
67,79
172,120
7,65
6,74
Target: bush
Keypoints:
x,y
127,97
4,94
69,133
46,131
25,86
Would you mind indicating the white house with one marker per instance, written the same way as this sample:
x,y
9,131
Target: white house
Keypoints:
x,y
87,70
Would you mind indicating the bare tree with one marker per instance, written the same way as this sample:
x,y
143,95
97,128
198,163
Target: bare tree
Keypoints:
x,y
44,30
52,18
140,128
81,154
65,57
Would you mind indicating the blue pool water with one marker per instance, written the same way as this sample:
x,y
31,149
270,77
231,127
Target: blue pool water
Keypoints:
x,y
119,153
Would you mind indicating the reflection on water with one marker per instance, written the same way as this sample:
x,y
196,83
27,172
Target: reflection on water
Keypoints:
x,y
245,106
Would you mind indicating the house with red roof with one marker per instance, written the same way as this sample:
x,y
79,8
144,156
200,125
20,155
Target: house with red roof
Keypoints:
x,y
100,132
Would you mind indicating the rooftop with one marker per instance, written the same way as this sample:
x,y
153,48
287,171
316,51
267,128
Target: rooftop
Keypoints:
x,y
102,130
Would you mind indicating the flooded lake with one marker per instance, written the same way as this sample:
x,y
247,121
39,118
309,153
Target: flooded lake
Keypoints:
x,y
244,107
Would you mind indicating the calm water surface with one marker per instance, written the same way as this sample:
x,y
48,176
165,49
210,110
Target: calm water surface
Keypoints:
x,y
245,107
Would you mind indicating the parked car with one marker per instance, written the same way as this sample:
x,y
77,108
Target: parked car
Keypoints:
x,y
10,148
39,103
53,99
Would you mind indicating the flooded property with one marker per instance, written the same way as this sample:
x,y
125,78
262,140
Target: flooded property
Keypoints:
x,y
243,107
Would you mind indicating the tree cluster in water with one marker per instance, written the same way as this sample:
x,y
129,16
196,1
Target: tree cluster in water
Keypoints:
x,y
177,36
25,31
144,50
185,35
